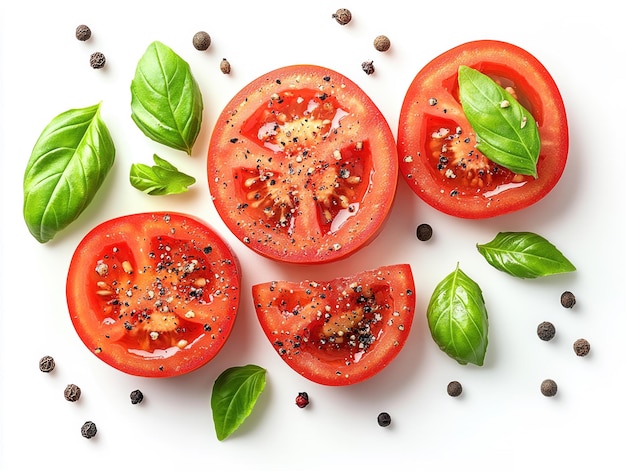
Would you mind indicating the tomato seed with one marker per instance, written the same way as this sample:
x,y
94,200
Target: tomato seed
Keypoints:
x,y
581,347
127,267
46,364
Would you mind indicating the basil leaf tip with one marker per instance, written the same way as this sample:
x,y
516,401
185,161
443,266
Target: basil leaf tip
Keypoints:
x,y
458,320
235,392
525,255
67,166
166,101
506,132
161,179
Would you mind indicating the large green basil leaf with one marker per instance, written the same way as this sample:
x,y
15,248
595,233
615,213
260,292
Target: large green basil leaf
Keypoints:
x,y
166,102
506,131
457,318
67,166
524,255
160,179
234,395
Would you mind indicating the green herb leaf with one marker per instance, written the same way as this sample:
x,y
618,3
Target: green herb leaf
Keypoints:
x,y
457,318
160,179
166,101
506,131
235,393
524,255
67,167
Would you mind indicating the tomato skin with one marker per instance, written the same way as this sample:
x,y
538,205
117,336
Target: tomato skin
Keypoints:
x,y
339,332
153,294
302,166
421,117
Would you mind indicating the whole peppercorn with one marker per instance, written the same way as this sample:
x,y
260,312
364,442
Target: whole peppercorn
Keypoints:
x,y
384,419
47,364
424,232
88,430
546,331
581,347
97,60
343,16
568,299
83,33
136,396
382,43
302,400
368,67
201,40
225,66
72,393
548,388
454,388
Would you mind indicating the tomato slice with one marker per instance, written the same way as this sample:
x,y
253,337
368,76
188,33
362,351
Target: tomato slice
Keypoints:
x,y
302,166
342,331
153,294
436,144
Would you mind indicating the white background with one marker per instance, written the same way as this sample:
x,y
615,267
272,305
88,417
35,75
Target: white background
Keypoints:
x,y
500,422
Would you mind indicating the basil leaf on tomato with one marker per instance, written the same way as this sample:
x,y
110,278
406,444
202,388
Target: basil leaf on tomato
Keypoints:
x,y
457,318
525,255
160,179
67,166
166,101
234,395
507,133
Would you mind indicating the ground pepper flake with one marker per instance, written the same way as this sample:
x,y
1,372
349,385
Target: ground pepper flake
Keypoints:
x,y
546,331
47,364
581,347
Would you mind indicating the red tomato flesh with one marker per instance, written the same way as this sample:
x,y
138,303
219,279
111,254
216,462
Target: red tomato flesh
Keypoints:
x,y
342,331
153,294
436,144
302,166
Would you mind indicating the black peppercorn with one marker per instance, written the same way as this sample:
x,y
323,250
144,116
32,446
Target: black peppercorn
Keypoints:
x,y
136,396
97,60
548,388
368,67
384,419
546,331
424,232
302,400
201,40
343,16
88,430
225,66
454,388
568,300
581,347
72,393
83,33
382,43
47,364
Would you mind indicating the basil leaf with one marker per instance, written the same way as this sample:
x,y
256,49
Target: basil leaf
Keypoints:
x,y
458,320
67,166
524,255
235,393
166,101
160,179
506,131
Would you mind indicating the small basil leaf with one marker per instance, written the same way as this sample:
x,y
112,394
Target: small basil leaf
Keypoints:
x,y
166,101
68,164
160,179
524,255
506,131
234,395
457,318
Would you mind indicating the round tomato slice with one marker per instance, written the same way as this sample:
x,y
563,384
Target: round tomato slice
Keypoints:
x,y
342,331
437,145
302,166
153,294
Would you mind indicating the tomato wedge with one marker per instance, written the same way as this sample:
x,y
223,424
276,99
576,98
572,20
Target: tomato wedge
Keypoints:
x,y
436,144
302,166
153,294
342,331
